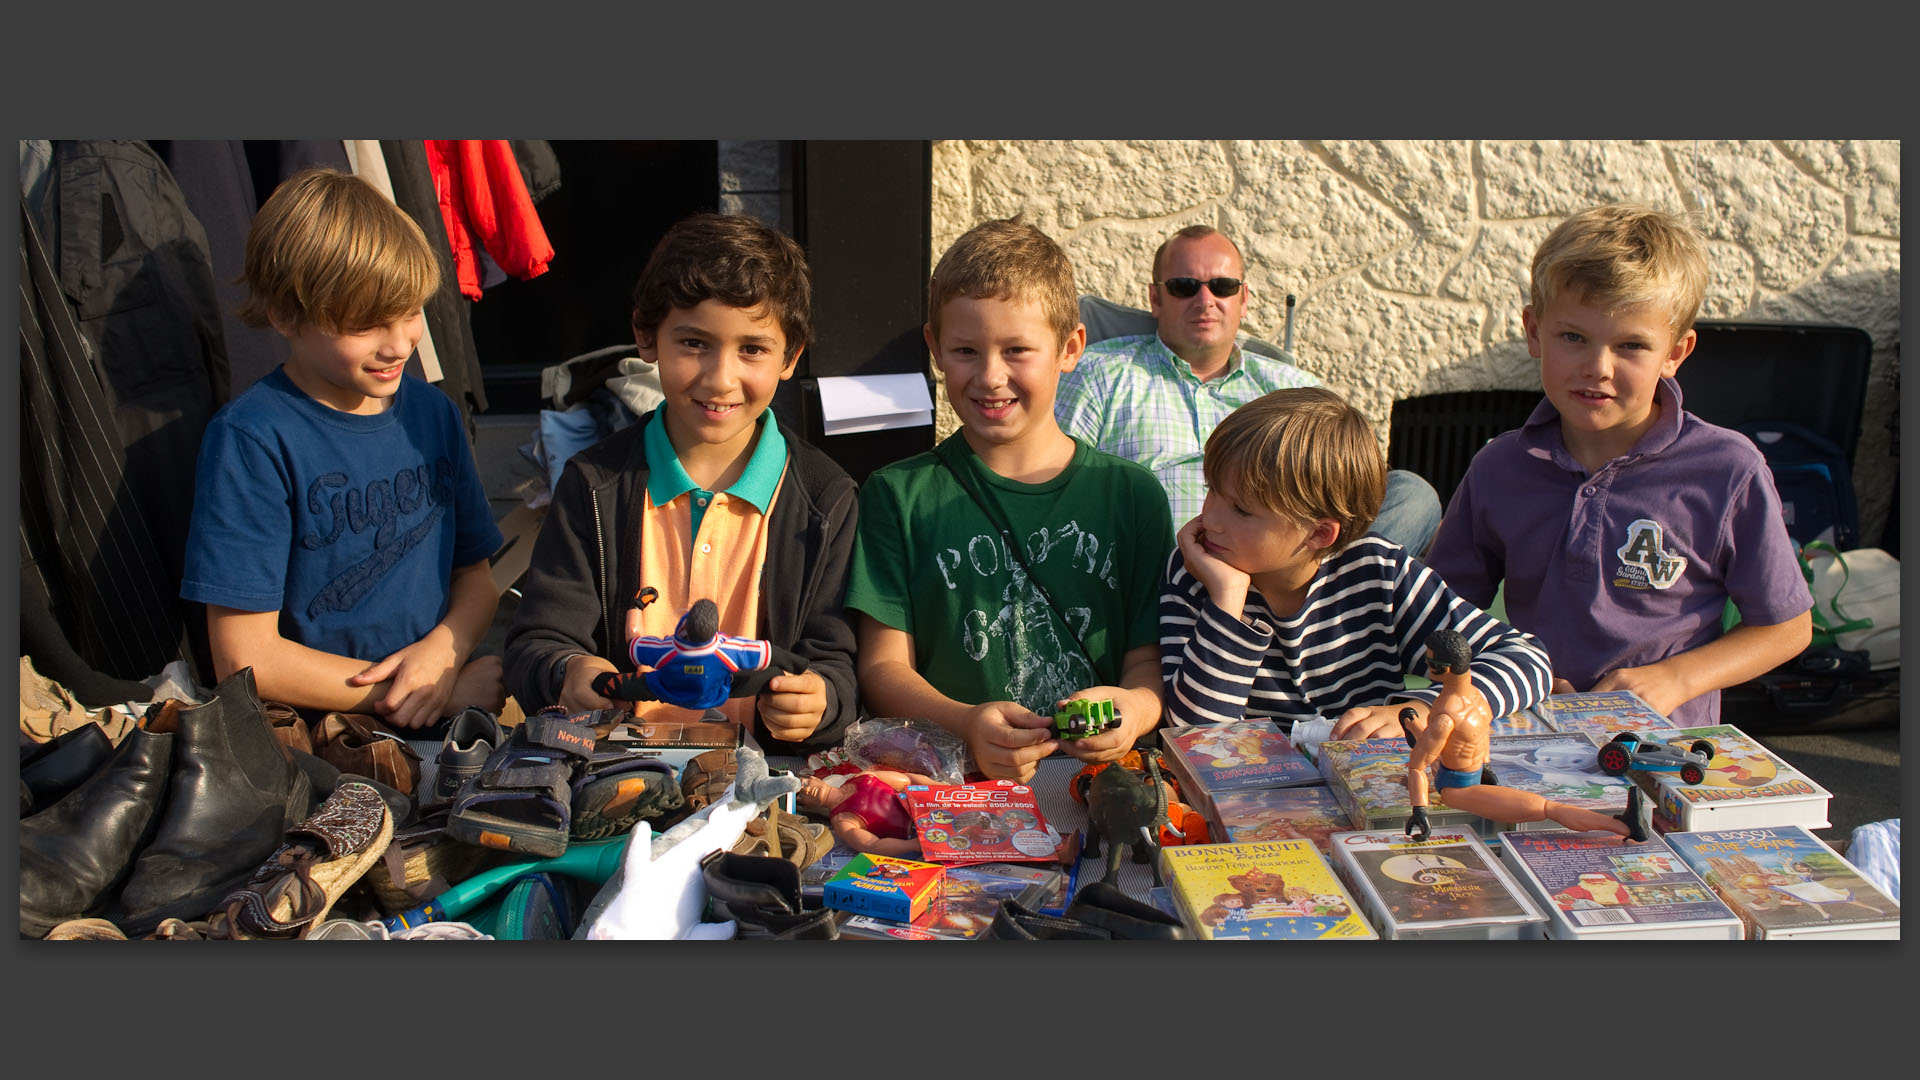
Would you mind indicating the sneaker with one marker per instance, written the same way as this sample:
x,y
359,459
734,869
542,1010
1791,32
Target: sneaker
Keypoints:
x,y
472,735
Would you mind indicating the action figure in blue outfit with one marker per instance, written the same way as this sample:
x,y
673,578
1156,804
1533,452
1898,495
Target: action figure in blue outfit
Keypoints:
x,y
698,667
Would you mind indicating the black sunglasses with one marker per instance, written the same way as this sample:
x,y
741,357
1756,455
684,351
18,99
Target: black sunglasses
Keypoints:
x,y
1180,288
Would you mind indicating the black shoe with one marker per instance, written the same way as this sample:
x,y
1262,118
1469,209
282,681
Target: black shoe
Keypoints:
x,y
1104,906
816,924
232,793
761,897
62,764
1012,922
749,881
73,853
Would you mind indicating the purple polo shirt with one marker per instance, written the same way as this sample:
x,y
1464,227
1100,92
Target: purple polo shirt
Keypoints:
x,y
1633,563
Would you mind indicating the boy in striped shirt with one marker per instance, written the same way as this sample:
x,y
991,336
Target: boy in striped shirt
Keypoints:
x,y
1275,605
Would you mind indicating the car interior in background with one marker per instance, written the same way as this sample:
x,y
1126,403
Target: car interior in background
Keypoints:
x,y
1627,751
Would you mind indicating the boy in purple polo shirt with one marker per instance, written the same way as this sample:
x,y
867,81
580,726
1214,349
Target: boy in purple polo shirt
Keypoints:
x,y
1620,522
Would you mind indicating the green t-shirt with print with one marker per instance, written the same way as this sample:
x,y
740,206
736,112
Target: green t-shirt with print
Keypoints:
x,y
928,560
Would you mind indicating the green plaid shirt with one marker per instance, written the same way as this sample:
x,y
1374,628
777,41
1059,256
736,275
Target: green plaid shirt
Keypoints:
x,y
1131,397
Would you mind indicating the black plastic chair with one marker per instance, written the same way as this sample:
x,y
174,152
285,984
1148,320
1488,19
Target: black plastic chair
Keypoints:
x,y
1436,435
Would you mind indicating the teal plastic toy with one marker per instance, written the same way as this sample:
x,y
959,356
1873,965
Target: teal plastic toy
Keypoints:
x,y
593,861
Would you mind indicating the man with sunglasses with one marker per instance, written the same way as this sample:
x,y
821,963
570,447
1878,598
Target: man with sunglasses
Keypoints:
x,y
1153,398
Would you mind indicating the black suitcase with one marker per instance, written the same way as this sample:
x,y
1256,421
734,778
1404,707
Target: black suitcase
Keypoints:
x,y
1825,688
1807,374
1744,374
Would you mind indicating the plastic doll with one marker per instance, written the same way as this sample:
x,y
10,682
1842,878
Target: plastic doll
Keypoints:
x,y
1454,735
865,813
698,667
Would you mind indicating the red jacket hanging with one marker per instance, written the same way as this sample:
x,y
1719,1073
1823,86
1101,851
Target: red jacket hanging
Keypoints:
x,y
483,195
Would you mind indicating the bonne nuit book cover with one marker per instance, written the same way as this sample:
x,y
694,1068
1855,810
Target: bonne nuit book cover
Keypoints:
x,y
1278,891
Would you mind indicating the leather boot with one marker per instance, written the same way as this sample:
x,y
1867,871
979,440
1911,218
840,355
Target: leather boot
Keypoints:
x,y
761,895
60,766
74,853
232,794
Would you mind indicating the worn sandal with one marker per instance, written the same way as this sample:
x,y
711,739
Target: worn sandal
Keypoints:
x,y
617,789
422,861
783,836
291,893
522,801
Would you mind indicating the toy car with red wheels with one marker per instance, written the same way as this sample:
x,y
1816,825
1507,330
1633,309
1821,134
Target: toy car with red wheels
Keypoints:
x,y
1628,751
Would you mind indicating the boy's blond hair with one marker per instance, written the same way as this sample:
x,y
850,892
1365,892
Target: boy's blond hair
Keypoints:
x,y
1304,454
1621,256
331,251
1007,260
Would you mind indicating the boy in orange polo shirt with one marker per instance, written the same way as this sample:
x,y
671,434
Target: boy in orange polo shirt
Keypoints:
x,y
706,497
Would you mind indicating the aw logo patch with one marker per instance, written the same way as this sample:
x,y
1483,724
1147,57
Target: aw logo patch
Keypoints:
x,y
1645,562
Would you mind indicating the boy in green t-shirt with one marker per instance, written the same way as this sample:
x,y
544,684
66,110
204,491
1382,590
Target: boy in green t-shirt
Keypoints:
x,y
1010,568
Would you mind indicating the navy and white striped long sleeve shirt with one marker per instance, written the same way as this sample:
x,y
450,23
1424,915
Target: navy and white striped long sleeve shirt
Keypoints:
x,y
1361,629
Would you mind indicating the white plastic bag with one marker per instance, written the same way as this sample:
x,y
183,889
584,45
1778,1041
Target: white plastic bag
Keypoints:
x,y
1857,595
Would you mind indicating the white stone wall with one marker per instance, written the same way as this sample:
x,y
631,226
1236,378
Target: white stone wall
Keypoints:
x,y
1409,259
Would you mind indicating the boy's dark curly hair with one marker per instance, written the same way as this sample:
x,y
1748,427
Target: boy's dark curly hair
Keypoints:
x,y
737,260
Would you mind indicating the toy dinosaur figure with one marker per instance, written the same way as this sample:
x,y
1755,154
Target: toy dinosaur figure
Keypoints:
x,y
1125,807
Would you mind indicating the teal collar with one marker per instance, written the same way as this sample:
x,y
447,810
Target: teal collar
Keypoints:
x,y
667,480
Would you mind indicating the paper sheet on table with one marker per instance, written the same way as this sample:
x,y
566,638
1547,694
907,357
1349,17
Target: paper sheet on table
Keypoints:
x,y
850,403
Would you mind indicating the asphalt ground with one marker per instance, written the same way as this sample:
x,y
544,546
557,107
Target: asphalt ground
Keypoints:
x,y
1861,769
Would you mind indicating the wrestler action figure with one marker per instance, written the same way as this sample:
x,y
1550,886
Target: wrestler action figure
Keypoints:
x,y
1454,734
